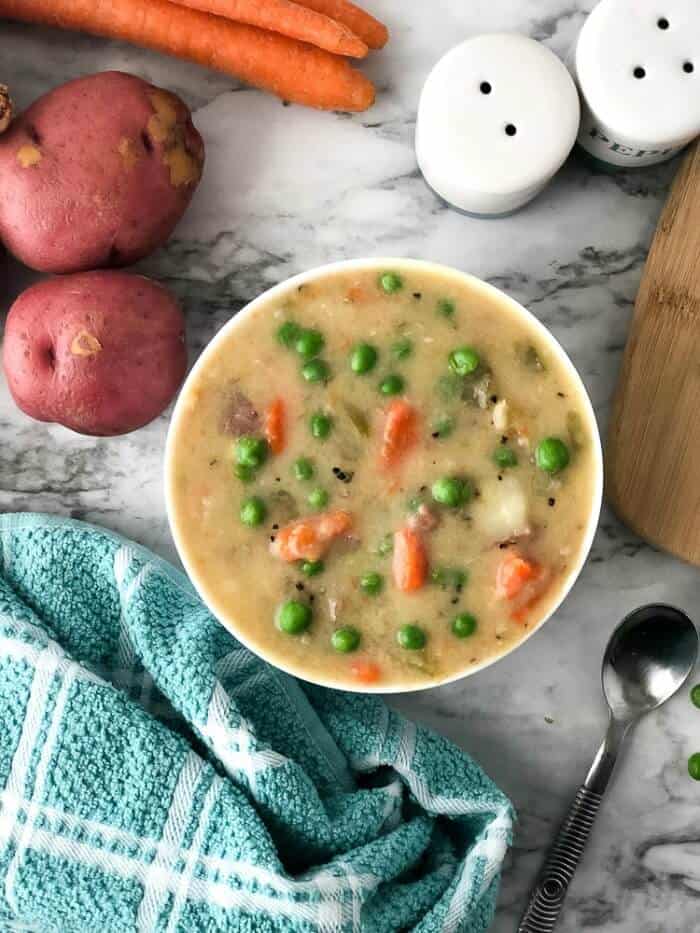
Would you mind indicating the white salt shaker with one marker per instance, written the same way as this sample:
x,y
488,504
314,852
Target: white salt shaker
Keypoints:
x,y
637,64
497,117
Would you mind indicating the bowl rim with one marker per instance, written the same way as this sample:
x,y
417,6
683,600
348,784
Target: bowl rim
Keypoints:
x,y
398,264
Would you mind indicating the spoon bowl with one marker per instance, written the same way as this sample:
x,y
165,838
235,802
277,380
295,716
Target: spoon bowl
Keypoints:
x,y
649,656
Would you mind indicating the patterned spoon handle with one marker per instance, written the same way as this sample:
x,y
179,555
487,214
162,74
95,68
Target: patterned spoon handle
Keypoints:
x,y
548,896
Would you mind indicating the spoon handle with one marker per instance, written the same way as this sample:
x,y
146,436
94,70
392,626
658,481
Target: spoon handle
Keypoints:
x,y
548,896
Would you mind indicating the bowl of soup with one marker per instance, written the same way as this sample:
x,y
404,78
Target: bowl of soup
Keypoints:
x,y
383,475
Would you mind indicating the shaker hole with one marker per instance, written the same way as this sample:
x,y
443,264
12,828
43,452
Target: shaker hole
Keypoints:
x,y
639,72
688,67
511,130
485,87
663,23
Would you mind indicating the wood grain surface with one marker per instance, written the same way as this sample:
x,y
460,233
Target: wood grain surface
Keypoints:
x,y
653,447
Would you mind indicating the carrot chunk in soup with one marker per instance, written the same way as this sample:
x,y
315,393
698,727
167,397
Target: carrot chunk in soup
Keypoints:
x,y
410,565
400,432
309,538
275,425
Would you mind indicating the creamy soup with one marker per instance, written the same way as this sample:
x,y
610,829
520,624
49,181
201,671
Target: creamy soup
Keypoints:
x,y
382,477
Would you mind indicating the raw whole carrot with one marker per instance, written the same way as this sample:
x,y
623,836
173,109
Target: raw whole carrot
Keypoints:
x,y
366,672
400,432
276,425
290,19
369,29
293,70
310,538
410,562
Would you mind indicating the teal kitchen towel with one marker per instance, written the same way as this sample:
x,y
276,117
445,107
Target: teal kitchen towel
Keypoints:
x,y
157,776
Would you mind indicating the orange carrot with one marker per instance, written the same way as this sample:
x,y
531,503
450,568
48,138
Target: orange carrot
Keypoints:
x,y
367,672
369,29
410,562
276,425
513,572
290,19
400,432
293,70
520,581
310,538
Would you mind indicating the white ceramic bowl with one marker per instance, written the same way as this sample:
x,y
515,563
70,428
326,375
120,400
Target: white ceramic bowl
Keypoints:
x,y
407,265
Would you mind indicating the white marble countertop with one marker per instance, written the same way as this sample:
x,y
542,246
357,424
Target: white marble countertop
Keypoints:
x,y
286,189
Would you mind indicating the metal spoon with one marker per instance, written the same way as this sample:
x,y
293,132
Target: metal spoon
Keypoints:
x,y
649,656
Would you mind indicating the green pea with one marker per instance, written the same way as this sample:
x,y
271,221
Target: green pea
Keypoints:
x,y
386,546
251,451
288,333
392,384
303,469
443,427
390,282
464,361
552,455
463,625
346,639
321,425
411,637
505,457
363,358
316,371
293,617
311,568
451,491
694,766
401,349
318,498
253,512
372,583
309,343
446,307
695,695
244,472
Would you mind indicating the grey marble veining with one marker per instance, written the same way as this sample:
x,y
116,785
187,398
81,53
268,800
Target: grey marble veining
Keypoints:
x,y
286,189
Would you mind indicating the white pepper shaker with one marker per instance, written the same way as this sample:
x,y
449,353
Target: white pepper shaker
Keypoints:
x,y
637,64
497,117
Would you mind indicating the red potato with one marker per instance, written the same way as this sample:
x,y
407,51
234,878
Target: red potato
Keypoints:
x,y
102,353
96,173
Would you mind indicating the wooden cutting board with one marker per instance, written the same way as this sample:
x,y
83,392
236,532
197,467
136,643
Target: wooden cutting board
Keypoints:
x,y
653,448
